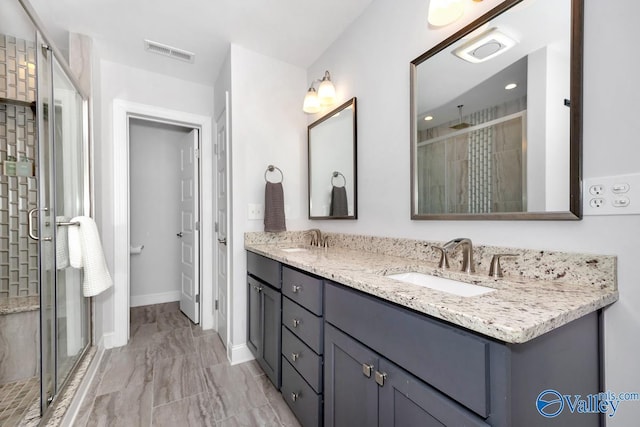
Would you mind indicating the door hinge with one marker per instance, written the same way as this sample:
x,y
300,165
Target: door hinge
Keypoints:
x,y
215,305
198,299
197,153
216,227
197,225
215,148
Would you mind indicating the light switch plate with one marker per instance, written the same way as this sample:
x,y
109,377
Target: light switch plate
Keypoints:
x,y
612,195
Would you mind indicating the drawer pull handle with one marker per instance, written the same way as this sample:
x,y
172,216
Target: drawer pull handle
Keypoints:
x,y
295,356
295,322
295,396
366,369
380,377
295,288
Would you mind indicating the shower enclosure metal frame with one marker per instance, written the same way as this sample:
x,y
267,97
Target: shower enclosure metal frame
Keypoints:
x,y
48,58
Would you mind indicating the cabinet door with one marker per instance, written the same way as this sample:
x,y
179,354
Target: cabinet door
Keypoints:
x,y
254,329
271,338
406,401
351,393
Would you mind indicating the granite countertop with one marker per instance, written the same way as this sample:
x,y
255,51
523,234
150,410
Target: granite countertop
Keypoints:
x,y
519,310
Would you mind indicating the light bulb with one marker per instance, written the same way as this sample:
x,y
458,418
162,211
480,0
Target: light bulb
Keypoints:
x,y
444,12
311,104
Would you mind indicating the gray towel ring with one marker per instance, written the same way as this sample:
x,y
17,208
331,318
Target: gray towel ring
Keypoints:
x,y
271,168
337,174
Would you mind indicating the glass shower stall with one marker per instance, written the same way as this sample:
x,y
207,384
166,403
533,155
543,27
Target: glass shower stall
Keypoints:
x,y
44,183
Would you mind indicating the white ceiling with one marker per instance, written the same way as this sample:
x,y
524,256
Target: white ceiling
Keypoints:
x,y
294,31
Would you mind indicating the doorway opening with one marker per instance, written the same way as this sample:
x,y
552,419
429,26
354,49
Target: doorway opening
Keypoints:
x,y
123,113
164,214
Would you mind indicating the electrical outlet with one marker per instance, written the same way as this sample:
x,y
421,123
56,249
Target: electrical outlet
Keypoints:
x,y
255,211
612,195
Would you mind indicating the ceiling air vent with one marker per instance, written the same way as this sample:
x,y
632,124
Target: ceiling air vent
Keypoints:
x,y
171,52
487,45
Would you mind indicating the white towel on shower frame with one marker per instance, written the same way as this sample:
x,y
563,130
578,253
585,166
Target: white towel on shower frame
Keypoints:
x,y
85,251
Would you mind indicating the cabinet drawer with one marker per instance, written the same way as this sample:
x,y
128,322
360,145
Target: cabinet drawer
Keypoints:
x,y
303,359
448,358
304,324
264,268
303,401
302,288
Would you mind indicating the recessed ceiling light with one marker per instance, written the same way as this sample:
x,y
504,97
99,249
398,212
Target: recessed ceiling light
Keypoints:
x,y
427,118
511,86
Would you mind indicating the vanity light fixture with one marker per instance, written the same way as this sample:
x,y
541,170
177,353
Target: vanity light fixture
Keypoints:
x,y
511,86
324,97
487,45
445,12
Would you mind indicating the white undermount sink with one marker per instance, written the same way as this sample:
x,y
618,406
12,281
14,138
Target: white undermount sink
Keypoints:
x,y
294,249
441,284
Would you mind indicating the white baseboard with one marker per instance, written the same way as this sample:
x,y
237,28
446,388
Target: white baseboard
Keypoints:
x,y
239,354
159,298
107,341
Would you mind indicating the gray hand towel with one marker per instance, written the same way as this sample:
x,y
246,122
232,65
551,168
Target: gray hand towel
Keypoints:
x,y
339,205
274,207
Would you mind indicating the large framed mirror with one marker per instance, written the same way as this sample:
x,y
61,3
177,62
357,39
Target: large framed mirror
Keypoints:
x,y
332,145
496,116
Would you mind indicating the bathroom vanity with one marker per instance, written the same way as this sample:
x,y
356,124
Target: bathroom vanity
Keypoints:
x,y
360,348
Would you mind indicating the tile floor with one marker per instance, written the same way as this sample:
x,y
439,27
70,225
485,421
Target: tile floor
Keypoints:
x,y
172,373
16,400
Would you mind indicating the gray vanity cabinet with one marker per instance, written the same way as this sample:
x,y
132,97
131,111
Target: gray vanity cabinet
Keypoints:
x,y
303,345
264,314
386,365
376,392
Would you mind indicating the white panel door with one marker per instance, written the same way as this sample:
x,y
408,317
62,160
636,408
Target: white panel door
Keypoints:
x,y
188,234
222,194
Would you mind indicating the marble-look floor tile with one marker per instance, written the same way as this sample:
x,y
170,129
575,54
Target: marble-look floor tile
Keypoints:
x,y
277,402
168,307
233,390
211,350
126,368
168,321
197,331
176,378
193,411
143,314
171,344
191,381
262,416
128,407
140,336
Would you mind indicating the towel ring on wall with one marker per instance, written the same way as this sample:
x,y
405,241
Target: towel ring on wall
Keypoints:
x,y
335,175
271,168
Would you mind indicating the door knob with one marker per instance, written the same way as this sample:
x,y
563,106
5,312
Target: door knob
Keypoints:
x,y
179,234
222,241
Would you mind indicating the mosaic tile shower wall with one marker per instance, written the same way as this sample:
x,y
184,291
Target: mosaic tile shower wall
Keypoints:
x,y
18,185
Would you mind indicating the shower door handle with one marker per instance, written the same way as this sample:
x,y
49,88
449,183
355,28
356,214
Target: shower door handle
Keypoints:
x,y
30,222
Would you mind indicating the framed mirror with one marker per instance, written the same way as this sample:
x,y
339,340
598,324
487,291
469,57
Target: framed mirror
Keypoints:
x,y
496,117
332,164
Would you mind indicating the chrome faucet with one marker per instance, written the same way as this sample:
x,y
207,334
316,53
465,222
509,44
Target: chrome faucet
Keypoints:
x,y
467,252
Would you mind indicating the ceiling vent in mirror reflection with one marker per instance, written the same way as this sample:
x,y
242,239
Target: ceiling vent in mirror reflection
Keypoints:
x,y
485,46
171,52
